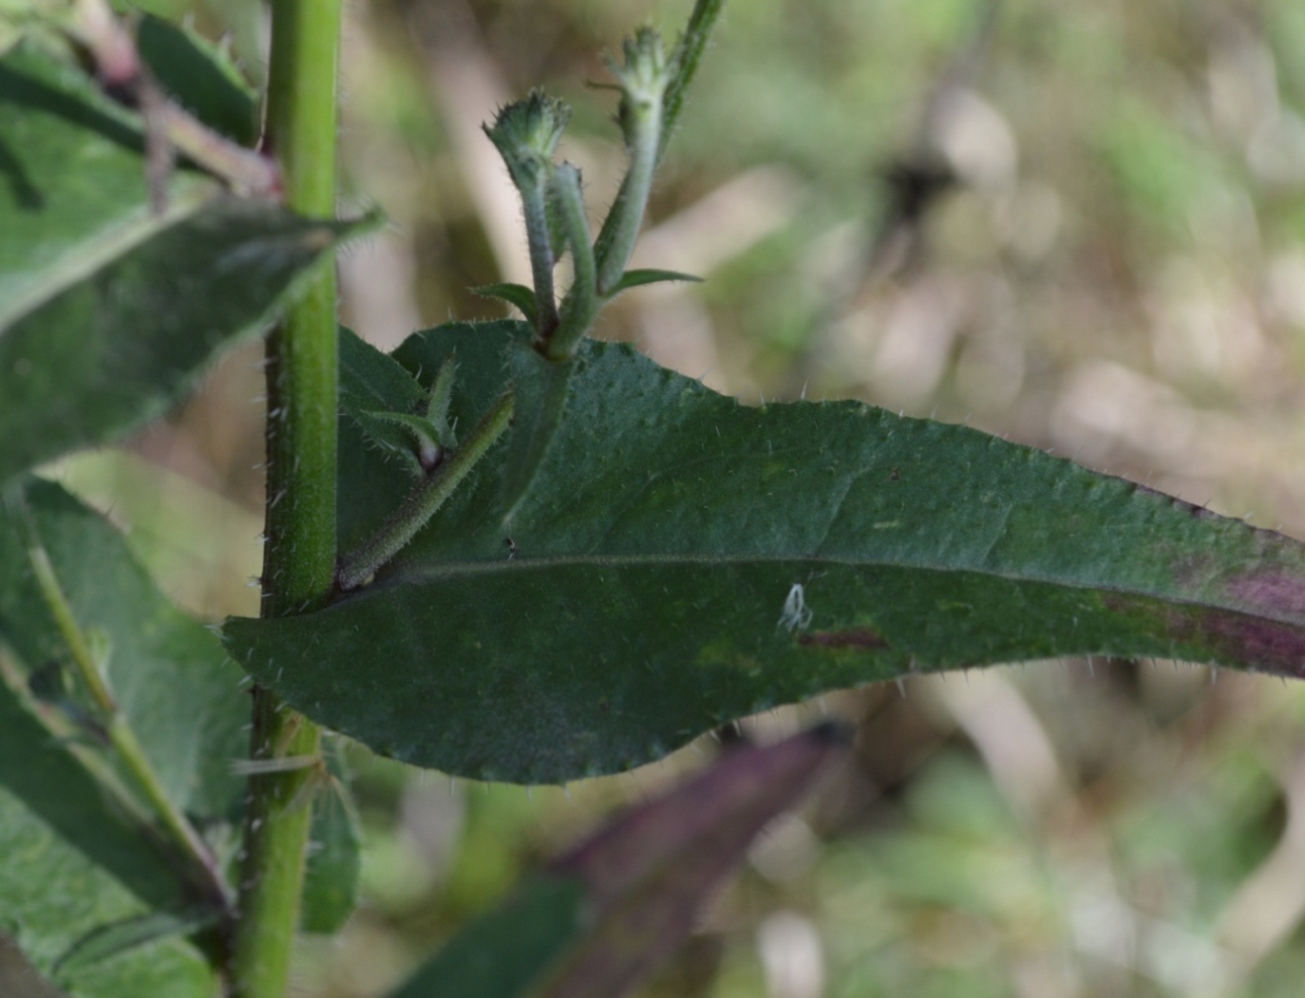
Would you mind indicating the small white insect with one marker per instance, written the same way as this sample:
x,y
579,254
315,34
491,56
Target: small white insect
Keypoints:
x,y
796,615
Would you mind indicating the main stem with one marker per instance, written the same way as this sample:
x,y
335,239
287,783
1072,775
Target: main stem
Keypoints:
x,y
299,562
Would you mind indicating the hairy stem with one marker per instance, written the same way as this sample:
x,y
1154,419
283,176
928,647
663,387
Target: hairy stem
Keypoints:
x,y
534,203
424,501
684,63
582,302
299,562
643,81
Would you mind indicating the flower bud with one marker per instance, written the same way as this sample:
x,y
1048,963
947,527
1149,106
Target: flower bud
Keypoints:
x,y
526,134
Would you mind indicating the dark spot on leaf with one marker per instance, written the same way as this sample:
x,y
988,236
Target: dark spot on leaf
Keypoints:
x,y
894,475
858,637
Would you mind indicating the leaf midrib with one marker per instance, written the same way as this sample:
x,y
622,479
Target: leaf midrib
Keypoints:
x,y
445,570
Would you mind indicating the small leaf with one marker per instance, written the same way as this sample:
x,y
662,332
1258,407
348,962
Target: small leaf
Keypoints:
x,y
600,919
440,398
638,278
372,382
514,294
657,548
371,487
423,434
200,77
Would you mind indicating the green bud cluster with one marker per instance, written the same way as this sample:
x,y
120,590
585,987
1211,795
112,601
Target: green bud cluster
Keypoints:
x,y
526,134
644,80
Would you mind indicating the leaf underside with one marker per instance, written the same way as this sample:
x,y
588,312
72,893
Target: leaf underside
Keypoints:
x,y
681,560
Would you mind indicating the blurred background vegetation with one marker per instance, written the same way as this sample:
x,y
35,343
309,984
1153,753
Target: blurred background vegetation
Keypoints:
x,y
1079,225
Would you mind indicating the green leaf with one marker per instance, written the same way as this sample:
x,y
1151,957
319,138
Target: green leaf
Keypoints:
x,y
681,560
200,78
74,194
501,954
371,380
370,383
335,853
169,674
603,917
638,278
423,434
514,294
73,869
541,391
119,345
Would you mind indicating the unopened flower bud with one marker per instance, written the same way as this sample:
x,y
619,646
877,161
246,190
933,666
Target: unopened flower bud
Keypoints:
x,y
526,133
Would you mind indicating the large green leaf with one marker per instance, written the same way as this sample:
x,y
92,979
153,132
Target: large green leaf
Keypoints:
x,y
120,346
108,310
681,560
600,919
73,870
169,674
73,188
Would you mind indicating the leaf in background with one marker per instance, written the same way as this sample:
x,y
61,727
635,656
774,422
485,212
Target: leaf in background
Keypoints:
x,y
681,560
334,855
72,868
169,674
73,188
199,77
605,916
118,347
501,954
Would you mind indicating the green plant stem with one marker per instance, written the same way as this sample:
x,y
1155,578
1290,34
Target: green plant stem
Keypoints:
x,y
643,91
684,63
299,562
198,861
534,204
582,302
424,501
